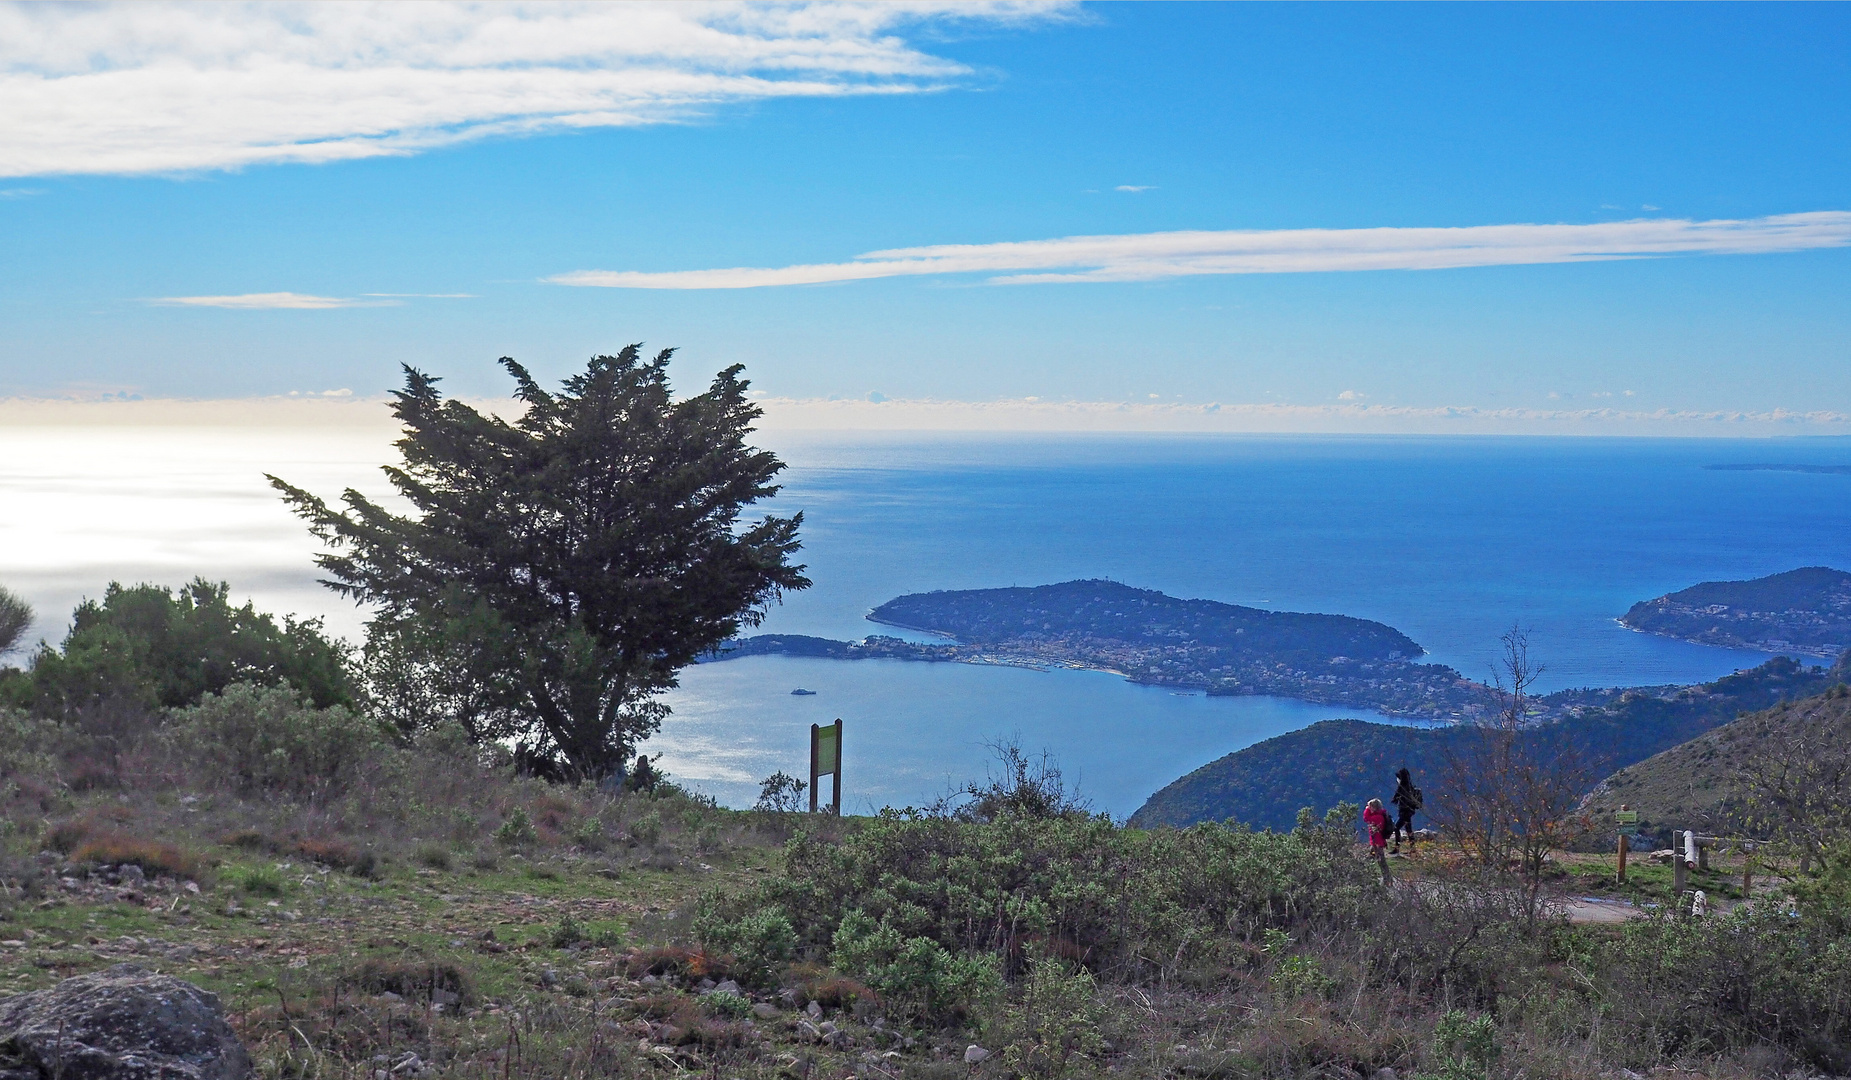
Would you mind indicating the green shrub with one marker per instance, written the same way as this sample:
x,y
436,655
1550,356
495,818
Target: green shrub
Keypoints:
x,y
259,881
568,933
721,1003
589,834
146,646
1057,1021
260,739
1466,1047
1298,977
915,973
1122,901
1698,987
433,856
761,940
647,829
27,745
516,828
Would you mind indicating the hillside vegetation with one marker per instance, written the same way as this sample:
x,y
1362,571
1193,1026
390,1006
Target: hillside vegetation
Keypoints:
x,y
1708,783
369,899
1806,612
1265,784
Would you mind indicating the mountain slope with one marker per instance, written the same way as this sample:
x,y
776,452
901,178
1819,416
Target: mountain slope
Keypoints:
x,y
1351,761
1691,785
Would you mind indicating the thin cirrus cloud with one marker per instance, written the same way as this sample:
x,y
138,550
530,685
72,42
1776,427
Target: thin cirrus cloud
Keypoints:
x,y
1155,256
285,301
154,88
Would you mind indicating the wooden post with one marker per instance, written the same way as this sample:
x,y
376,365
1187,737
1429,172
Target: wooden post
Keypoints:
x,y
833,766
1680,875
1703,855
1622,858
815,735
835,803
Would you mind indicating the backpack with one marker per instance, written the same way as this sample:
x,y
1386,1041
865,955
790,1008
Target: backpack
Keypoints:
x,y
1415,802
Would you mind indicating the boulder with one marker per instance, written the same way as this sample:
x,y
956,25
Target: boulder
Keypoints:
x,y
123,1023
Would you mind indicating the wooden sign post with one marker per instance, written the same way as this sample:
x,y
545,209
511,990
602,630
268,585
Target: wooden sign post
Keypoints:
x,y
826,759
1624,816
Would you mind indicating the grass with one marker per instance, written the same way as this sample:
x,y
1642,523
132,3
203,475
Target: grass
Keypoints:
x,y
565,953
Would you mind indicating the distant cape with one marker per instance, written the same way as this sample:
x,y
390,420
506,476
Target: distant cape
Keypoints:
x,y
1781,468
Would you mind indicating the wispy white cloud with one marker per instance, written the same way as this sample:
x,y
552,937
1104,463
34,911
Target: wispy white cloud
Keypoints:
x,y
1153,256
1135,187
425,295
166,87
20,192
271,300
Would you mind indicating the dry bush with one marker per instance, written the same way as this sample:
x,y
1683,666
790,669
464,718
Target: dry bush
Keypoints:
x,y
153,856
677,962
838,992
67,835
413,980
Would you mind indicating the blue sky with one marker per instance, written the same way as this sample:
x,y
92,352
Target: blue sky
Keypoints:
x,y
990,126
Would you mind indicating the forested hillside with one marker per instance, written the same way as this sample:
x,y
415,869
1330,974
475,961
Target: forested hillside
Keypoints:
x,y
1336,761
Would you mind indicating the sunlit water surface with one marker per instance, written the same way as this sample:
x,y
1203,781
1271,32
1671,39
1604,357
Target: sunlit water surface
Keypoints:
x,y
1450,540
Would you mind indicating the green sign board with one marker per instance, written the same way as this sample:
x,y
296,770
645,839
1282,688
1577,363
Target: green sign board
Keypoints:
x,y
828,750
1626,817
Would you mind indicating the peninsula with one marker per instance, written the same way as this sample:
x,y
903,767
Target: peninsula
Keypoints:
x,y
1805,612
1150,637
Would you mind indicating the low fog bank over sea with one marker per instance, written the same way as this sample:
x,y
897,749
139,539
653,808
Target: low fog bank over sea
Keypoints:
x,y
1449,540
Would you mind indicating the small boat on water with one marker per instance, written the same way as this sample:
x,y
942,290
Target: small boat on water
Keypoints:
x,y
801,692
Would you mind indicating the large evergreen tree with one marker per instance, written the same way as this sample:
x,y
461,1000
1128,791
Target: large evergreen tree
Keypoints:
x,y
560,569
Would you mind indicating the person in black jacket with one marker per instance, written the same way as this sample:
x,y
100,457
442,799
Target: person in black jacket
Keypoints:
x,y
1407,799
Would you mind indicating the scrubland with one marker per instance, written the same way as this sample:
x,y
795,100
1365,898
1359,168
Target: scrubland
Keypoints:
x,y
367,902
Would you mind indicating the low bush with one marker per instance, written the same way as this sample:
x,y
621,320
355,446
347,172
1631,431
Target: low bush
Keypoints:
x,y
415,980
1465,1047
260,881
723,1003
153,856
67,835
338,854
515,829
760,940
675,961
1121,901
916,974
1056,1021
267,740
1693,987
432,856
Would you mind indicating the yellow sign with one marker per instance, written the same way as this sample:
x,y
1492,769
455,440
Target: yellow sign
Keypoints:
x,y
828,750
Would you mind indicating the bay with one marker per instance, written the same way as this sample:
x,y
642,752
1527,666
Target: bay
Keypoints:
x,y
1449,539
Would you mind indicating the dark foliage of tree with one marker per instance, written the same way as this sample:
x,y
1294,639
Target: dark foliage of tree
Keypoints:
x,y
558,570
145,646
15,618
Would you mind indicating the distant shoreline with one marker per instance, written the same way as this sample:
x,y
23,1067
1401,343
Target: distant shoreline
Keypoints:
x,y
1834,469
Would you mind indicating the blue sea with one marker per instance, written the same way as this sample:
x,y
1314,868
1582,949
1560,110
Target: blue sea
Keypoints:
x,y
1450,539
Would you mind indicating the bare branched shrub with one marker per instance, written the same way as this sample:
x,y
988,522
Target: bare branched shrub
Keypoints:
x,y
1509,788
1016,785
1796,788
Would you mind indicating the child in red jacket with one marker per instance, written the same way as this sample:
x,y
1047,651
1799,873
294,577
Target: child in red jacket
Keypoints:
x,y
1376,819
